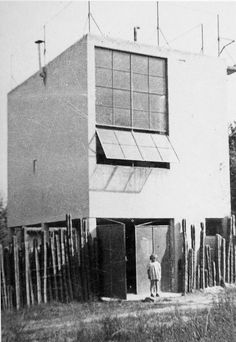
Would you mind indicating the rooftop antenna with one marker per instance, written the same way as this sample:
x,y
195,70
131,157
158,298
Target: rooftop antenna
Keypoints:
x,y
158,25
89,17
231,41
218,34
136,28
42,70
44,44
202,36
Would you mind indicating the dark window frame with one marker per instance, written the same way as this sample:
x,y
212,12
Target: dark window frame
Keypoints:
x,y
131,92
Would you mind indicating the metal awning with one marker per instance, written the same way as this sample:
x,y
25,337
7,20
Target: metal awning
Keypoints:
x,y
136,146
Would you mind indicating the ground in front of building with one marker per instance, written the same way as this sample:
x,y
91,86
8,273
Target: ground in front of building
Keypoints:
x,y
208,315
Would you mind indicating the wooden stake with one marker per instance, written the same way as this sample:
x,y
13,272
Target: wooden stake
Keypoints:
x,y
223,257
68,268
16,272
31,285
213,273
3,285
27,273
218,259
59,266
38,280
202,256
193,242
54,265
45,266
64,277
185,258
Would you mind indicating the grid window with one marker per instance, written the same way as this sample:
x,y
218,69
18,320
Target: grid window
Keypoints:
x,y
121,79
104,96
121,61
131,90
103,77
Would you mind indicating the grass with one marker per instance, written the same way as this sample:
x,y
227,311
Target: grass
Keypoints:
x,y
122,321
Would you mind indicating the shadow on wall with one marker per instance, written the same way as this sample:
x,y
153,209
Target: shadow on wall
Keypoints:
x,y
117,178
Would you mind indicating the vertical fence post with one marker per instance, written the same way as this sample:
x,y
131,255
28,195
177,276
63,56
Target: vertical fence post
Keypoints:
x,y
16,271
218,259
202,256
27,273
63,267
185,258
223,256
3,285
213,273
37,271
54,265
193,243
44,233
190,270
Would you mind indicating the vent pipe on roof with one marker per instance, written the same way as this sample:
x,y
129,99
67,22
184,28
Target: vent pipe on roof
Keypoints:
x,y
136,28
42,70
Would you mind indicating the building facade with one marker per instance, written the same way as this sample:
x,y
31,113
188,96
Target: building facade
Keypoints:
x,y
131,137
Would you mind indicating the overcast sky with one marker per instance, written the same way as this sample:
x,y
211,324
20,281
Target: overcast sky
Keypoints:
x,y
21,23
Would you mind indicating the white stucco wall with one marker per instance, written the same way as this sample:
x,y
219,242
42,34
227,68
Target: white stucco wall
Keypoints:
x,y
49,123
198,186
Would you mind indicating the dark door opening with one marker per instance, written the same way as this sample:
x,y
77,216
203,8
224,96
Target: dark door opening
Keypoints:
x,y
130,257
124,251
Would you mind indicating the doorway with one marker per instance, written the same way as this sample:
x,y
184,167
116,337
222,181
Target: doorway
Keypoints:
x,y
124,252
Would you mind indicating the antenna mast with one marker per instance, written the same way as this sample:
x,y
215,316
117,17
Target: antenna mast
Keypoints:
x,y
44,44
202,36
218,33
158,25
89,17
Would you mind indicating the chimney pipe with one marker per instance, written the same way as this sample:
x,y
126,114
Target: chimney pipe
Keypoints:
x,y
136,28
42,70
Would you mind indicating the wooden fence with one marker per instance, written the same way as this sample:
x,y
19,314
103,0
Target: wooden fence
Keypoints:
x,y
211,265
62,268
61,264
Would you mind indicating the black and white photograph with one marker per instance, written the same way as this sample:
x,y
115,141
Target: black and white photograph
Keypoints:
x,y
118,171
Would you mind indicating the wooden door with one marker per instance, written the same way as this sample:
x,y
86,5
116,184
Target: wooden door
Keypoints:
x,y
112,261
152,239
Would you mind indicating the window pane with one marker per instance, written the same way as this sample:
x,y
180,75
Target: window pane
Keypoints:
x,y
103,58
140,101
168,155
139,64
125,138
104,96
121,80
131,152
140,82
122,117
144,139
140,119
121,61
159,122
157,66
150,154
121,98
107,136
157,85
161,140
158,103
104,115
113,151
103,77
